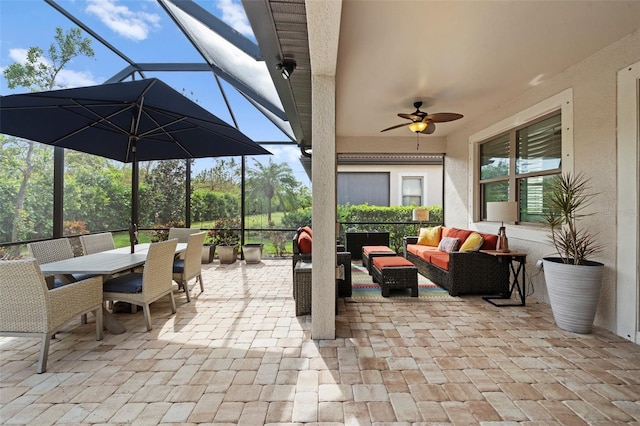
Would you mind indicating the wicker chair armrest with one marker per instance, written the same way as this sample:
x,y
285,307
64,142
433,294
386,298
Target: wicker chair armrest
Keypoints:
x,y
413,239
75,299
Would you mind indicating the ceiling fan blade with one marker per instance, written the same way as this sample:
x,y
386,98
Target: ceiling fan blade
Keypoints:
x,y
430,128
442,117
395,127
412,116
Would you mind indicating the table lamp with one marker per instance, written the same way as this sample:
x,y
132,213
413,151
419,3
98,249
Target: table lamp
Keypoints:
x,y
420,215
502,211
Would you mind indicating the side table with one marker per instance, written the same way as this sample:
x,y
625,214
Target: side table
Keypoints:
x,y
302,287
519,278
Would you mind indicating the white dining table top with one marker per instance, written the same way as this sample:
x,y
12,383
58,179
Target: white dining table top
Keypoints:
x,y
103,263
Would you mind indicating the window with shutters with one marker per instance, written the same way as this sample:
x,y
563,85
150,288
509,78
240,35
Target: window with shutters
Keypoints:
x,y
519,165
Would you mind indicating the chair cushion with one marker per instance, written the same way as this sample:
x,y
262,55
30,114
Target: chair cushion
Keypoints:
x,y
448,244
304,243
472,243
430,236
178,266
129,283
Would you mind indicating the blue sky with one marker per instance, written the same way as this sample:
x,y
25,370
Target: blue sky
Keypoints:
x,y
143,32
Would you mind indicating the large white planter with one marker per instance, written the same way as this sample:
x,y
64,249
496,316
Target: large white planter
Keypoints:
x,y
227,254
574,293
252,252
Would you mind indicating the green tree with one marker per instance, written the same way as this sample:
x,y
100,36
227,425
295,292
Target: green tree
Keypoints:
x,y
272,181
163,192
224,176
40,73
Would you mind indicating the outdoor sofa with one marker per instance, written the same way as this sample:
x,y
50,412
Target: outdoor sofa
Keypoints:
x,y
438,254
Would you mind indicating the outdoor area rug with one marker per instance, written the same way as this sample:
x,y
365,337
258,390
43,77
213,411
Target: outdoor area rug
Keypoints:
x,y
364,289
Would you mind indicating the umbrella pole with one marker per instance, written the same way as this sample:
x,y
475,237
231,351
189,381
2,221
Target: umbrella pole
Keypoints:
x,y
133,228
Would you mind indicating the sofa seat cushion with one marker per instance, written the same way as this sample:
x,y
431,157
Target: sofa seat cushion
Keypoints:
x,y
441,260
423,252
128,283
391,262
460,234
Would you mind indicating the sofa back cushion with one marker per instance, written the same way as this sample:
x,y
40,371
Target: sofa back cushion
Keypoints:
x,y
304,243
490,242
461,234
430,236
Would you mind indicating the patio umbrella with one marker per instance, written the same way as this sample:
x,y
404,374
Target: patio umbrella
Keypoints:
x,y
129,121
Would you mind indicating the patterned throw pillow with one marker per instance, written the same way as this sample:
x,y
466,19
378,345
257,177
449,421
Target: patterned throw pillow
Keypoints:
x,y
448,244
429,236
472,243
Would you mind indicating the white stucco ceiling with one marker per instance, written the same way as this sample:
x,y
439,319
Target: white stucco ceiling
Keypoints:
x,y
460,56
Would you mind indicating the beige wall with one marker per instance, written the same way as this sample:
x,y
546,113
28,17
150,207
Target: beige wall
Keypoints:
x,y
593,84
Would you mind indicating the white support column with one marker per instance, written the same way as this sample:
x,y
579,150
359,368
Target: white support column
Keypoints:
x,y
323,28
324,209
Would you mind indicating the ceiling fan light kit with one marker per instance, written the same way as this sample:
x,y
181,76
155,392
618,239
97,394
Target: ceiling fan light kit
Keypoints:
x,y
422,122
417,127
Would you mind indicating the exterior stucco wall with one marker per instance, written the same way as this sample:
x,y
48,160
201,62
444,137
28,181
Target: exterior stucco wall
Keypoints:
x,y
432,180
594,83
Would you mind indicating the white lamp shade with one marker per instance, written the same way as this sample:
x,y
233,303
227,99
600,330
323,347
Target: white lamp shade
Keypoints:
x,y
502,211
421,215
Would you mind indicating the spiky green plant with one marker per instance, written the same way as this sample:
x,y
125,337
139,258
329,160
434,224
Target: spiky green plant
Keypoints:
x,y
567,197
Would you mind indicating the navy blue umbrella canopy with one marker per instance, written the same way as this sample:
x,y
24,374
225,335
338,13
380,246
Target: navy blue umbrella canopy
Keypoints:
x,y
109,120
129,121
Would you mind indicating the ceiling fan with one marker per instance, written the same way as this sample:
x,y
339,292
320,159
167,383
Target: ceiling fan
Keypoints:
x,y
422,122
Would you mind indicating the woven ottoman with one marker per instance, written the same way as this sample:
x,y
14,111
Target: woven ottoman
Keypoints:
x,y
395,272
369,252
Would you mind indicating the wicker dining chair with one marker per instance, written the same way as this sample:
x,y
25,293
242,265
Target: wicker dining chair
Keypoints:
x,y
52,251
182,234
191,266
96,243
30,309
154,282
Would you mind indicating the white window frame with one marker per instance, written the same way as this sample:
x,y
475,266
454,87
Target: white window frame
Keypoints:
x,y
562,101
401,177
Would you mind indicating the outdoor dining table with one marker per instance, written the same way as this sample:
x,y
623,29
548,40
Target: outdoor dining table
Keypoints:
x,y
104,263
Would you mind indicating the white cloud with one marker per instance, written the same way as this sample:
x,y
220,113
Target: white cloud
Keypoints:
x,y
233,14
66,78
122,20
18,55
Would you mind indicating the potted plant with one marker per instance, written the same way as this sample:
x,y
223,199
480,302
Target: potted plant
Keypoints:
x,y
209,247
252,252
226,239
573,280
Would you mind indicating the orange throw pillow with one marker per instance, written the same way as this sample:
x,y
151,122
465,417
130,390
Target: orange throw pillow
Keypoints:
x,y
304,243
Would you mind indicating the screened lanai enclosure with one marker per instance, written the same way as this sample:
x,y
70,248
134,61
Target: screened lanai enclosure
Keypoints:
x,y
51,192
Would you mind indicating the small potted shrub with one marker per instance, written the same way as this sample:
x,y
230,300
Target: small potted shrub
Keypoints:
x,y
573,280
226,239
